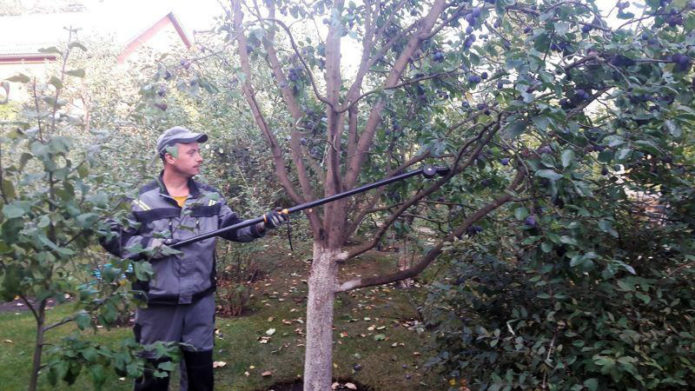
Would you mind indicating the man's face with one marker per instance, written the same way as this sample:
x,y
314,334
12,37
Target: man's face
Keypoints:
x,y
188,160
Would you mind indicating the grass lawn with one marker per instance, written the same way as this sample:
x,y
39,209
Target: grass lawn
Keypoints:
x,y
376,338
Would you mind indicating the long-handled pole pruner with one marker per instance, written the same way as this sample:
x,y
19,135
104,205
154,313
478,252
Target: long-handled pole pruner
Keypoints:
x,y
427,172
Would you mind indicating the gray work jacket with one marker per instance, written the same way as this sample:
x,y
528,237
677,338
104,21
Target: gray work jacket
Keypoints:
x,y
181,278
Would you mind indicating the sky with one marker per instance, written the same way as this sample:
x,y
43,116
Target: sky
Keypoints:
x,y
120,19
123,20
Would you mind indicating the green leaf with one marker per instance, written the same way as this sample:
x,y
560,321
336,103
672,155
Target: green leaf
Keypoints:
x,y
567,157
13,211
76,72
605,156
576,260
645,298
549,174
521,213
623,153
8,189
591,384
172,150
614,140
82,170
541,42
52,376
166,366
380,337
541,122
51,49
546,247
19,78
561,28
604,361
626,286
78,45
607,226
648,146
90,354
55,82
98,375
673,128
516,128
86,220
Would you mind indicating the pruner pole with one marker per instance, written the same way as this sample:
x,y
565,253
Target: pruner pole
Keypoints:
x,y
427,172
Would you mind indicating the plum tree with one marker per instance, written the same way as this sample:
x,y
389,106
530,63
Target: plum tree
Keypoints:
x,y
581,94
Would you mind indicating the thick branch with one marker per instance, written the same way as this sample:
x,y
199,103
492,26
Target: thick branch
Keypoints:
x,y
365,140
249,94
484,135
366,206
433,253
296,149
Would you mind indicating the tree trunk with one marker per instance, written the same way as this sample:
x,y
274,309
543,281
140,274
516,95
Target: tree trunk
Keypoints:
x,y
319,319
40,316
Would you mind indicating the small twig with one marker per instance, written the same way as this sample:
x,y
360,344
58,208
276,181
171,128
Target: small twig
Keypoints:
x,y
2,189
30,306
403,84
60,323
301,59
38,109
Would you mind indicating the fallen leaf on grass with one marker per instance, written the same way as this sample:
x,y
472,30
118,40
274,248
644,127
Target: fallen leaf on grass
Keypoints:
x,y
218,364
8,341
350,386
270,332
266,374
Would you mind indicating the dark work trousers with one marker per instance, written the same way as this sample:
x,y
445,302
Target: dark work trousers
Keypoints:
x,y
193,326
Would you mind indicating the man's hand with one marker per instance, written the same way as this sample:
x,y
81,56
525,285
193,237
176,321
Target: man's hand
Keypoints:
x,y
159,248
272,220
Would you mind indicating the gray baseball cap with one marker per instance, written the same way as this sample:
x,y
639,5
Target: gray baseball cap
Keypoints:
x,y
178,134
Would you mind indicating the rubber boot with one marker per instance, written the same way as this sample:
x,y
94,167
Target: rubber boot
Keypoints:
x,y
199,368
150,383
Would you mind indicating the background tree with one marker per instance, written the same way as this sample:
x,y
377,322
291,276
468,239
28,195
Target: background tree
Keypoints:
x,y
66,158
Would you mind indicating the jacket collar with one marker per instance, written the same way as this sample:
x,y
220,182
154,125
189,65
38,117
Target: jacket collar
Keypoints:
x,y
193,189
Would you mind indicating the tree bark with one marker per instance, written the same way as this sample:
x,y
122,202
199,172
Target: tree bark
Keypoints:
x,y
40,316
318,356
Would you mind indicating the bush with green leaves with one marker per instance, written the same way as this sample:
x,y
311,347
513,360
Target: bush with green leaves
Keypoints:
x,y
582,280
559,319
55,196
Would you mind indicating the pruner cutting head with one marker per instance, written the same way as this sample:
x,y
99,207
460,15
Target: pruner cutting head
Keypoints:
x,y
431,171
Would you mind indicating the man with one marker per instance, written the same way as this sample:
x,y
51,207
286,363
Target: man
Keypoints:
x,y
180,302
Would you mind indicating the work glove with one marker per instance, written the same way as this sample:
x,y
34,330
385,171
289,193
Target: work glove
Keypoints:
x,y
160,248
274,219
